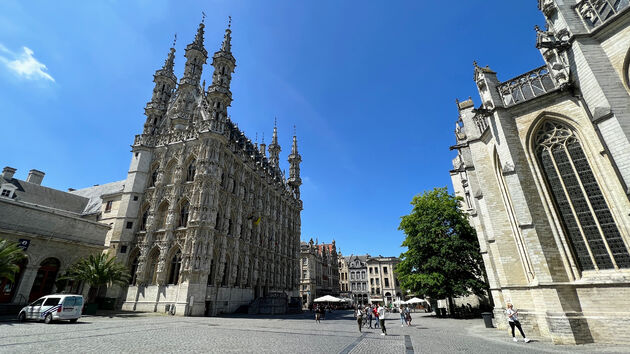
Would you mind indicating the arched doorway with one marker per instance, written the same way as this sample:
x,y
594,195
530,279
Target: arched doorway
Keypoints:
x,y
7,288
45,278
388,295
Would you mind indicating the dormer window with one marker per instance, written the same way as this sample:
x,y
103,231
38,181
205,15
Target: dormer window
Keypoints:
x,y
7,190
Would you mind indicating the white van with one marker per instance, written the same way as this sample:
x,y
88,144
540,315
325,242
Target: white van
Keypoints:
x,y
53,307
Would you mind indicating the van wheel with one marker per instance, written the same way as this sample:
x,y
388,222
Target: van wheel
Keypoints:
x,y
21,317
74,320
48,319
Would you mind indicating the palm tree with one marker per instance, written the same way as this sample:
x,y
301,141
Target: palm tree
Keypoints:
x,y
98,271
10,256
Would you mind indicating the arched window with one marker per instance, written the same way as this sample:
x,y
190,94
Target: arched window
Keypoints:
x,y
169,173
160,221
176,264
190,176
152,267
154,176
145,217
585,215
183,214
133,270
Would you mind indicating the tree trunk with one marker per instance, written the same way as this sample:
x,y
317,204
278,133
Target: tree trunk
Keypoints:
x,y
92,293
451,307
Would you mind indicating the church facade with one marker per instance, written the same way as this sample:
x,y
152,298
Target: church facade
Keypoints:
x,y
206,220
543,167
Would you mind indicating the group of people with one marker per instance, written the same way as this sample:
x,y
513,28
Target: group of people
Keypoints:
x,y
405,316
365,315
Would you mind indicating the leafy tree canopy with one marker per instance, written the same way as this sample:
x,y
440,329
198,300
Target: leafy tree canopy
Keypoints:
x,y
10,256
442,258
99,271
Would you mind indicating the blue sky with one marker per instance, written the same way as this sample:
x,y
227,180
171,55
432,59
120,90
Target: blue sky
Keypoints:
x,y
370,85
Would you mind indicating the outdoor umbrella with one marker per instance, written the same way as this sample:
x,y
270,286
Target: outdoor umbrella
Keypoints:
x,y
415,300
327,298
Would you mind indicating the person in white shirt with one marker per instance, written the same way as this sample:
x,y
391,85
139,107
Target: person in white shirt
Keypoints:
x,y
514,323
381,319
359,317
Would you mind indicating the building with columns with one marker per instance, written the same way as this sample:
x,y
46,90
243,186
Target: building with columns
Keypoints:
x,y
319,271
543,167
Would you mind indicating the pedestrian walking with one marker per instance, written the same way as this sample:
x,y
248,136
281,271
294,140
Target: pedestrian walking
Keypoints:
x,y
408,316
402,316
359,318
514,323
375,312
381,319
318,314
370,315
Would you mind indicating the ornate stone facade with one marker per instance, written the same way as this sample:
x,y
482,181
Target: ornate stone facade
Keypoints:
x,y
543,166
207,220
319,271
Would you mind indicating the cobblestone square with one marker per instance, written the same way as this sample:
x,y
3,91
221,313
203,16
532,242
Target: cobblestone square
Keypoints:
x,y
338,333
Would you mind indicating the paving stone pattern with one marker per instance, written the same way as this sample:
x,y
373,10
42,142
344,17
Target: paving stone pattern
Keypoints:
x,y
338,333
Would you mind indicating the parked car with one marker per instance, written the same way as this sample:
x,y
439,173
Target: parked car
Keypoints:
x,y
52,308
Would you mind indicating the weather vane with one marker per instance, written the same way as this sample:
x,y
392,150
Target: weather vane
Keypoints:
x,y
229,21
175,40
203,16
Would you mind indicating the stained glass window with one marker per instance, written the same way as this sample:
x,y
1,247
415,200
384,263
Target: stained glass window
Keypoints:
x,y
586,217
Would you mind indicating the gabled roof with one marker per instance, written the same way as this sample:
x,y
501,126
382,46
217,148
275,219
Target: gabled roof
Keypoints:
x,y
94,194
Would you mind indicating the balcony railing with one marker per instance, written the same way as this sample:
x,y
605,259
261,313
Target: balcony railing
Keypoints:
x,y
596,12
527,86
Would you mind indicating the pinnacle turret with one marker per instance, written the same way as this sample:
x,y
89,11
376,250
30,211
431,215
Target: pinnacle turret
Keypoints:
x,y
219,94
274,148
294,168
196,55
165,81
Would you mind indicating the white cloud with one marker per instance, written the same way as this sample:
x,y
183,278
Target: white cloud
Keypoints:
x,y
24,64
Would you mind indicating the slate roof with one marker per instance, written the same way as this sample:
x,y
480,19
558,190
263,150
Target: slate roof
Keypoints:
x,y
93,194
53,198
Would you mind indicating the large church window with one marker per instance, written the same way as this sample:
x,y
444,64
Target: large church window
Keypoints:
x,y
585,215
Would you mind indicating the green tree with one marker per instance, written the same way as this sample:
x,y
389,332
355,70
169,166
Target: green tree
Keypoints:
x,y
442,258
10,256
98,271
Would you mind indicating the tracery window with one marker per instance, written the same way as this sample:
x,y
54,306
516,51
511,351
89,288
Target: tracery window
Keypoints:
x,y
586,217
176,264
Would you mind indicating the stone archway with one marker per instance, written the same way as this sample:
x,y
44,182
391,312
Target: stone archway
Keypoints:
x,y
8,288
45,278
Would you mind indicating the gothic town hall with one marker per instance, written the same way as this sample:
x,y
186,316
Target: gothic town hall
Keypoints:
x,y
206,219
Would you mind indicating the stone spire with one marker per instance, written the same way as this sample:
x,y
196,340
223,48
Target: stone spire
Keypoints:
x,y
219,94
196,55
274,148
294,168
188,91
165,81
